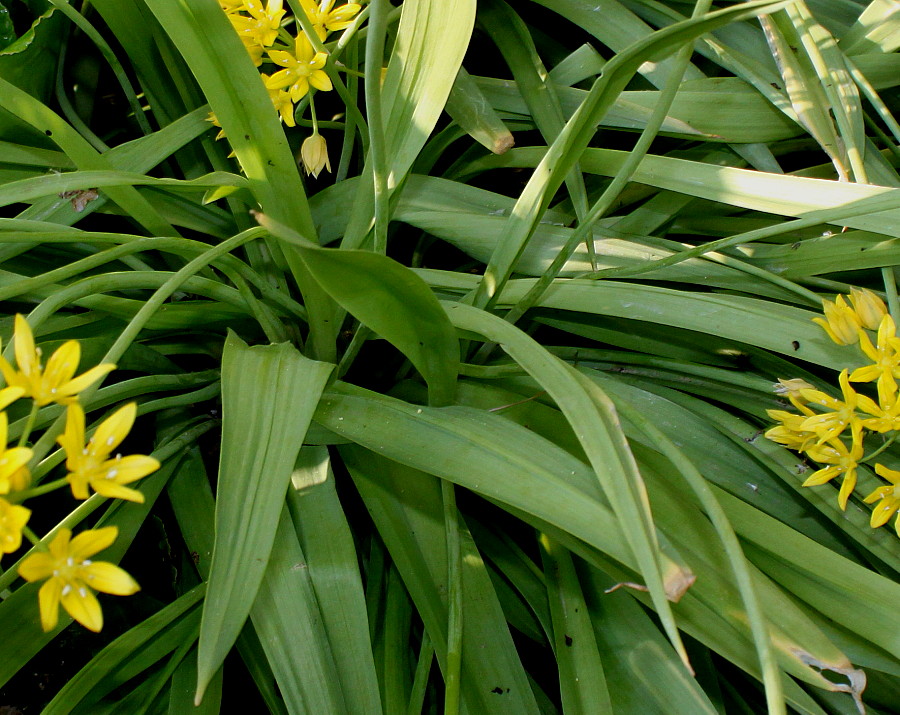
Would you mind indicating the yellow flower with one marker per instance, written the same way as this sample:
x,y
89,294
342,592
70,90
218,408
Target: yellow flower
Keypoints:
x,y
72,577
12,520
55,382
870,309
325,19
261,28
12,461
281,100
840,461
90,464
303,68
840,322
230,6
889,497
886,358
831,425
314,154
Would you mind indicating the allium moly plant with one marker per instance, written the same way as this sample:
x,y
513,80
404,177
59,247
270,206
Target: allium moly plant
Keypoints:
x,y
443,377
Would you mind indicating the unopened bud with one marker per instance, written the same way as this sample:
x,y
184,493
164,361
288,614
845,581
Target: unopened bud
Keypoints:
x,y
314,155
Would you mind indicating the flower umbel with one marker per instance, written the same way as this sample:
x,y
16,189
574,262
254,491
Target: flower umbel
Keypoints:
x,y
90,465
54,383
72,577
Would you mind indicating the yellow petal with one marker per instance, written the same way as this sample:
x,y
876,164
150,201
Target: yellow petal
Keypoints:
x,y
82,382
9,372
8,395
26,356
112,490
37,566
108,578
320,81
881,514
82,605
62,364
114,429
79,484
847,487
131,468
11,460
820,477
48,601
92,541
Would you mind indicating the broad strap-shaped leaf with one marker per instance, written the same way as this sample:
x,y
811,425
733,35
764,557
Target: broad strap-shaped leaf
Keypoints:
x,y
269,394
388,298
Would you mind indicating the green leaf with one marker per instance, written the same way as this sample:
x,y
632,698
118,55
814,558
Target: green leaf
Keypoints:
x,y
388,298
268,397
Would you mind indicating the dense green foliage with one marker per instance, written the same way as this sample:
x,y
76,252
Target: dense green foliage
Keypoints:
x,y
475,421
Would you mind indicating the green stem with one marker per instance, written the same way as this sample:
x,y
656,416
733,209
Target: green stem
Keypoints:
x,y
377,144
878,451
31,536
43,489
29,424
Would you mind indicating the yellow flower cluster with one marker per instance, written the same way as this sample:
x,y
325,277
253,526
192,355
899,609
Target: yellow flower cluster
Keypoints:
x,y
261,28
71,576
832,431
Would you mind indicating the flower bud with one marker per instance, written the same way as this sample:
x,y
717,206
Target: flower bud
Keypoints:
x,y
870,309
841,322
314,154
791,388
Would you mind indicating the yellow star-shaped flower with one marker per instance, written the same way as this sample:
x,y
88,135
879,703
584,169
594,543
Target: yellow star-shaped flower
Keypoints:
x,y
302,69
72,577
90,464
55,382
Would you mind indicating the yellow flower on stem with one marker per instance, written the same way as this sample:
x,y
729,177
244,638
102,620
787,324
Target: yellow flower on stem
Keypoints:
x,y
886,359
325,18
840,322
842,414
12,461
12,520
90,465
889,497
302,69
72,577
54,383
870,309
840,460
261,28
